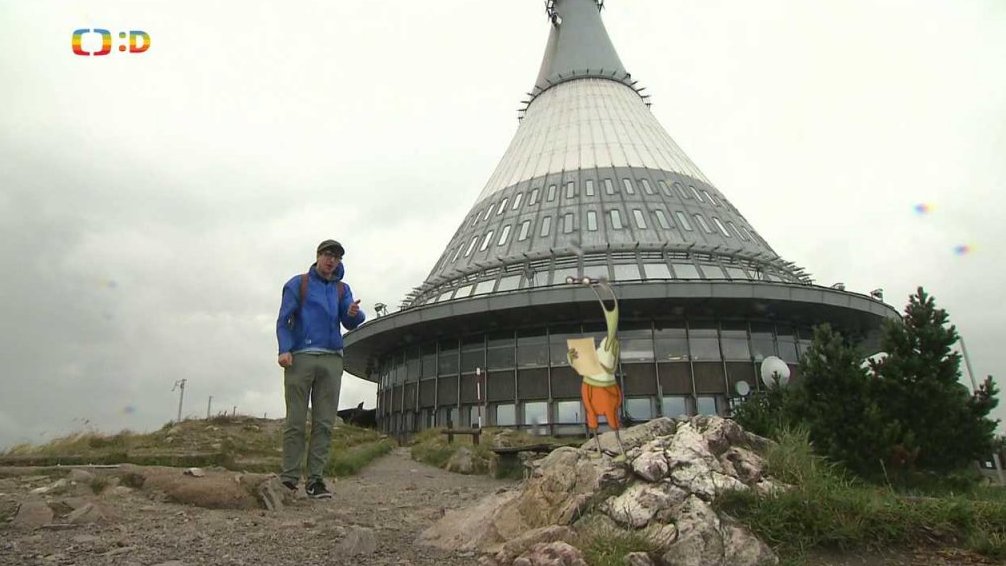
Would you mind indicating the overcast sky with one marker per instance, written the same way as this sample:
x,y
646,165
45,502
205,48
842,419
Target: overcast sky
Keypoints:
x,y
153,204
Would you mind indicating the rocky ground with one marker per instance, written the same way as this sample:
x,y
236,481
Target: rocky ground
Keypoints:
x,y
373,519
129,515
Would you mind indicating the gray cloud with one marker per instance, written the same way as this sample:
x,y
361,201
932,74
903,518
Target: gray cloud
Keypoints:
x,y
152,205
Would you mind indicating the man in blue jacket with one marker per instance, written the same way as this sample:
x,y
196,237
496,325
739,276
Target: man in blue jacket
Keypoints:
x,y
310,352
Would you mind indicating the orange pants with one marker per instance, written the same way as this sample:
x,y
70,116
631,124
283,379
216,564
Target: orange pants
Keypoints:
x,y
601,401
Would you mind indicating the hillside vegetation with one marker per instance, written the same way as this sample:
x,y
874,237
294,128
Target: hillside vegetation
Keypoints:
x,y
233,442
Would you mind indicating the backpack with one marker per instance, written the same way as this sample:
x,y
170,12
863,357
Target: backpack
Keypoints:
x,y
340,289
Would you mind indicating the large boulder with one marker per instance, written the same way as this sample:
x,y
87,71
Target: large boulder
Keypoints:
x,y
663,488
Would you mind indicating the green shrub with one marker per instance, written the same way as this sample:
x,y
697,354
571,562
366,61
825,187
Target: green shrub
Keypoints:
x,y
825,509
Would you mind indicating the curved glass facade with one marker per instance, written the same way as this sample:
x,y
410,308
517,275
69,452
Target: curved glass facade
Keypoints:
x,y
668,368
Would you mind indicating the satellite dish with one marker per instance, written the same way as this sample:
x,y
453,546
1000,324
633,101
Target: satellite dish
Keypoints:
x,y
772,368
742,388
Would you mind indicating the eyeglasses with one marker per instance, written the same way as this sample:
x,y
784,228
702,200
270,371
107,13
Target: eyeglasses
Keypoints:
x,y
331,256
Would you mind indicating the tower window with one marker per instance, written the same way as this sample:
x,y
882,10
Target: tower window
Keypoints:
x,y
609,187
471,246
616,220
534,197
516,201
504,235
546,226
551,193
591,220
663,187
646,186
488,212
695,192
662,219
502,206
567,223
629,189
681,190
722,228
640,219
570,189
683,220
703,224
525,227
485,241
588,187
738,232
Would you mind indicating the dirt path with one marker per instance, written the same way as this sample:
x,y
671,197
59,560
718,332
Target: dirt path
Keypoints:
x,y
383,508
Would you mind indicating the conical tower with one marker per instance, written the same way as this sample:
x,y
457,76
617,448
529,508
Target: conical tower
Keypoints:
x,y
592,185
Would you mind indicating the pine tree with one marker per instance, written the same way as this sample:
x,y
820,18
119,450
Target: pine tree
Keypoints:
x,y
834,400
940,425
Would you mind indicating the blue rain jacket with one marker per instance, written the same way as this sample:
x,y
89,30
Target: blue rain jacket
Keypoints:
x,y
317,325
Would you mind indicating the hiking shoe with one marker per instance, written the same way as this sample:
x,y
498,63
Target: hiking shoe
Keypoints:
x,y
317,490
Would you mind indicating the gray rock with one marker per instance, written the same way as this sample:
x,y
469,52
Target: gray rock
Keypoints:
x,y
461,462
638,504
80,476
32,514
515,547
699,539
741,548
89,513
359,540
651,464
271,493
675,470
552,554
636,436
638,559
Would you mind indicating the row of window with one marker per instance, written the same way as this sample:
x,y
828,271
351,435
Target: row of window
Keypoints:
x,y
567,223
610,188
534,414
640,343
646,270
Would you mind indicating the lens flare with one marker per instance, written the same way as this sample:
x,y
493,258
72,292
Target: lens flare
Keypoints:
x,y
128,410
963,249
923,208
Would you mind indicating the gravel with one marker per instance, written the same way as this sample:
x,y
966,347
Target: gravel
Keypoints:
x,y
372,519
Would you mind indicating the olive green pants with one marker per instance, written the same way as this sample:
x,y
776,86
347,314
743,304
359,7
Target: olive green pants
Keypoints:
x,y
317,377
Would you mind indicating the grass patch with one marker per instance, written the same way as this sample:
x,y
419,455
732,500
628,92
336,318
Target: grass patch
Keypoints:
x,y
351,460
827,510
431,447
605,545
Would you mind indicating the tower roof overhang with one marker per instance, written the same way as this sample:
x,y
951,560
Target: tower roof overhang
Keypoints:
x,y
678,300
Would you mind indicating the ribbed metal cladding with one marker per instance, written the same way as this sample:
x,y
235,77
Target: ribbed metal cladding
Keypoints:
x,y
590,173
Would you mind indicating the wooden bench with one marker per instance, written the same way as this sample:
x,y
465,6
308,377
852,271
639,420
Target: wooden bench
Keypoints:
x,y
475,433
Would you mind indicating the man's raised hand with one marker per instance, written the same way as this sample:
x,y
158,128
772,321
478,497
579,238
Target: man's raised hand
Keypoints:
x,y
354,308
